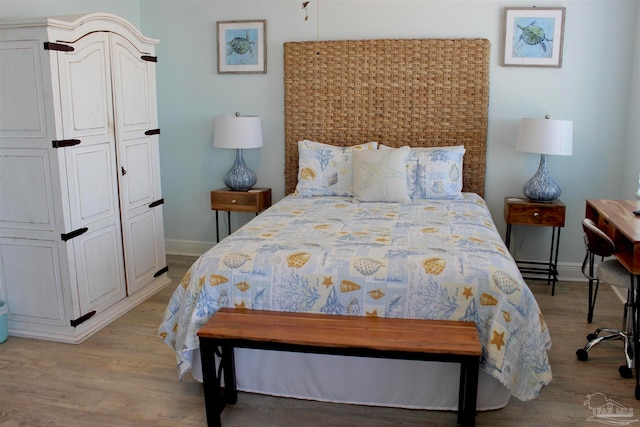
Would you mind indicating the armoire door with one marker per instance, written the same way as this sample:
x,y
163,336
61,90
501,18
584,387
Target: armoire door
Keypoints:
x,y
137,138
95,233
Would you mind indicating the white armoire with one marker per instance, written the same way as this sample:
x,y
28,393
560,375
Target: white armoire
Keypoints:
x,y
81,230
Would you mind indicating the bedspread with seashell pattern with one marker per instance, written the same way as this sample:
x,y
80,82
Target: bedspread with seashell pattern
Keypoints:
x,y
428,259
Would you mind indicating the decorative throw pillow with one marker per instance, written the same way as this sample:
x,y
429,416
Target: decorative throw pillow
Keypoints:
x,y
326,170
435,173
381,175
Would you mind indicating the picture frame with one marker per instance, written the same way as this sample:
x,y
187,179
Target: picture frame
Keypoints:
x,y
533,36
242,46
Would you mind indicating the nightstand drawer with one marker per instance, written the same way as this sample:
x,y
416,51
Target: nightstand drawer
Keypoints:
x,y
528,213
254,200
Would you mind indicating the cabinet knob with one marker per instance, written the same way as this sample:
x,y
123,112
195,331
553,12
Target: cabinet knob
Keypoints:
x,y
535,214
233,201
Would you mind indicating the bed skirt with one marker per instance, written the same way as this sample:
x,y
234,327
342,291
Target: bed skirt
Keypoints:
x,y
357,380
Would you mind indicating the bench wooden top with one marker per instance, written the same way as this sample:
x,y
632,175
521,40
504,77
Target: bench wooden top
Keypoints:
x,y
333,331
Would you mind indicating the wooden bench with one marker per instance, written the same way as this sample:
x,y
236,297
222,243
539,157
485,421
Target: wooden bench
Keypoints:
x,y
435,340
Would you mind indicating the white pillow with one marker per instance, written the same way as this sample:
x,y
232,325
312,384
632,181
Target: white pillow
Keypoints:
x,y
326,170
381,175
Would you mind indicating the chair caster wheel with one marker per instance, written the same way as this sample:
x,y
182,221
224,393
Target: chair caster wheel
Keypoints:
x,y
582,354
625,372
592,337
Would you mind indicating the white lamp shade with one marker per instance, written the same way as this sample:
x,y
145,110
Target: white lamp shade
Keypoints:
x,y
237,132
546,136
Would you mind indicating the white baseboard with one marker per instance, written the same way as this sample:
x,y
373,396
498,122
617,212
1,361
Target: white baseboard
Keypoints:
x,y
570,272
187,247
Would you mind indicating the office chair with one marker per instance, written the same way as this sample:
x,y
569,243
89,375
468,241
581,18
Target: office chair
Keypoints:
x,y
613,273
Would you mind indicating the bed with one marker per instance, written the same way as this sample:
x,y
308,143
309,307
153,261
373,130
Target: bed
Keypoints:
x,y
385,154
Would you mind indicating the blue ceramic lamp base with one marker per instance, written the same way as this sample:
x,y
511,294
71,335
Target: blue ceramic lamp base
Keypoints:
x,y
240,177
542,187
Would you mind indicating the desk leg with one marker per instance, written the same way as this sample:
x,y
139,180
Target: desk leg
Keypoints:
x,y
635,289
507,239
593,293
229,223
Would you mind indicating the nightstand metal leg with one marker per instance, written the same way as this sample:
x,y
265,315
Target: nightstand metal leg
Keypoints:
x,y
218,226
217,229
539,268
553,259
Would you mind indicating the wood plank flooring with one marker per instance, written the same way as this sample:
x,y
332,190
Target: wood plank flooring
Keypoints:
x,y
125,376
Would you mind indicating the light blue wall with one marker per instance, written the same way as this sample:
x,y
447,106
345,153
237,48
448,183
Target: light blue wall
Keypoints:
x,y
593,88
632,167
128,9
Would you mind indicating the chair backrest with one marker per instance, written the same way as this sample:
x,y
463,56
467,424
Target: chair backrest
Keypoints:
x,y
597,241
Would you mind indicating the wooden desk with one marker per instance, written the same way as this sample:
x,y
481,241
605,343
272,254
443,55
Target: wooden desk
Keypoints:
x,y
616,219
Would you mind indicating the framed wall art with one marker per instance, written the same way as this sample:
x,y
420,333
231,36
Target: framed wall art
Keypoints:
x,y
242,46
533,36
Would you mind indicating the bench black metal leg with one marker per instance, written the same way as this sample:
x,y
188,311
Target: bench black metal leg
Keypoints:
x,y
230,394
468,394
214,404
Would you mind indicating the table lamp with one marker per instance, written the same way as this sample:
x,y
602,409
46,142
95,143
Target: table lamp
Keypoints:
x,y
544,136
238,132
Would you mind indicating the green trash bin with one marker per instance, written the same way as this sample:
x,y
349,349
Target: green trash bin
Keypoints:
x,y
4,310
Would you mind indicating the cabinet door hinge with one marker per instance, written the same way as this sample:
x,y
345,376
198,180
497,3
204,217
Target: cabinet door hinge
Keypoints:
x,y
58,46
152,132
149,58
161,271
81,319
74,233
61,143
156,203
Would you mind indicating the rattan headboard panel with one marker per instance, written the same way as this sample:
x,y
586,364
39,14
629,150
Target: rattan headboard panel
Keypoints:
x,y
417,92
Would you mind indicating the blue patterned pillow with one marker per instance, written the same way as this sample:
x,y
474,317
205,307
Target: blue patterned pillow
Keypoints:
x,y
435,172
326,170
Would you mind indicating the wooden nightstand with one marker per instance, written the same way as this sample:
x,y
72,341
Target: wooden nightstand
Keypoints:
x,y
224,199
522,211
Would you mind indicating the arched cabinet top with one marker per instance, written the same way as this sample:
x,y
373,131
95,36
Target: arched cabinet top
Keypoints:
x,y
69,28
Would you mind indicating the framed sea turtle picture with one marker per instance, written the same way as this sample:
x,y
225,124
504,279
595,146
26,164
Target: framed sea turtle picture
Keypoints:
x,y
242,46
533,36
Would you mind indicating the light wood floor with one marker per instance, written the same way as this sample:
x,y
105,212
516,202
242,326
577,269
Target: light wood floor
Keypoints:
x,y
125,376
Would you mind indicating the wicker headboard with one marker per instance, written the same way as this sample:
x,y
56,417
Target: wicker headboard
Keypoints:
x,y
417,92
